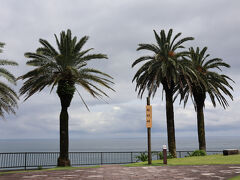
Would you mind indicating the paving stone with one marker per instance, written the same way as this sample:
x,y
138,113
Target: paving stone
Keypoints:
x,y
95,176
117,172
218,177
208,174
226,171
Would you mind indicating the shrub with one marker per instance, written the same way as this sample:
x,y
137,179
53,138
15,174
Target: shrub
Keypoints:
x,y
169,155
198,153
142,157
160,154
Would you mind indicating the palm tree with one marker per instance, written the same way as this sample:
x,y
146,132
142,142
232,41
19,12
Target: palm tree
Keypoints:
x,y
8,97
205,80
162,67
65,69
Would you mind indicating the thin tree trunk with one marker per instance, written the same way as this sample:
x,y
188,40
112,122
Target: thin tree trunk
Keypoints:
x,y
170,123
201,128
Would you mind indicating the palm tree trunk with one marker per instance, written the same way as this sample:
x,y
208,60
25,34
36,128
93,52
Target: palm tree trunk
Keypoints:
x,y
63,159
65,92
201,128
170,123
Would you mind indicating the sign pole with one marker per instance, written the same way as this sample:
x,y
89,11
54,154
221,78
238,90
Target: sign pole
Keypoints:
x,y
149,130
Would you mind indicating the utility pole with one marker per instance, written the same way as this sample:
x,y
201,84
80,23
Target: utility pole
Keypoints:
x,y
149,125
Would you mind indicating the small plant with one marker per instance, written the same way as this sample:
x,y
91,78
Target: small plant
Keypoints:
x,y
169,155
39,167
197,153
142,157
160,154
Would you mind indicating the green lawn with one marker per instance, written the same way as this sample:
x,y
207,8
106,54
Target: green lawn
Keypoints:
x,y
197,160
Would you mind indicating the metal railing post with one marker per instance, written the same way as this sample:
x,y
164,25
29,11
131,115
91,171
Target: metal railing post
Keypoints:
x,y
101,158
25,161
131,157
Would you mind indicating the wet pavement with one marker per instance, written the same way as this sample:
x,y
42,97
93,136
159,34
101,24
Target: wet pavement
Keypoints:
x,y
117,172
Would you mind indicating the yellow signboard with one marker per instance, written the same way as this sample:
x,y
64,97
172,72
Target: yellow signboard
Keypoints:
x,y
148,116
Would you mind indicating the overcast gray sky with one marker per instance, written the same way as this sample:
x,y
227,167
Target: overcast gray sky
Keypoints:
x,y
116,28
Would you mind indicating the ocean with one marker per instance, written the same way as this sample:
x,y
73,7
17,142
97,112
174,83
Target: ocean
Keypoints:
x,y
115,144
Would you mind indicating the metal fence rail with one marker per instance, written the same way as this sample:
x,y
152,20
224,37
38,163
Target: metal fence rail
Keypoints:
x,y
24,160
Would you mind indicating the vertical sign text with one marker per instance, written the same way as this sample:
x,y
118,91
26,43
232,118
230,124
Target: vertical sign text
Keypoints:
x,y
148,116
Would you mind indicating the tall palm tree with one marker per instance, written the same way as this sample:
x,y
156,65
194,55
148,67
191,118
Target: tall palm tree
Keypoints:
x,y
8,97
64,68
162,67
204,79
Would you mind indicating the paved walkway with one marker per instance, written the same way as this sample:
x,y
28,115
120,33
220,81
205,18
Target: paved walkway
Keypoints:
x,y
116,172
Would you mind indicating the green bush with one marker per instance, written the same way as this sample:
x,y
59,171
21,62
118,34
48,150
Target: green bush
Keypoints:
x,y
142,157
197,153
160,154
169,155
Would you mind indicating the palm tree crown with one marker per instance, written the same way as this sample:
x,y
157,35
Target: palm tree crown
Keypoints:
x,y
205,80
8,97
65,67
163,65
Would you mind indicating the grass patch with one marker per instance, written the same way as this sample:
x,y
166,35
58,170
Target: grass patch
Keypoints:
x,y
196,160
50,169
235,178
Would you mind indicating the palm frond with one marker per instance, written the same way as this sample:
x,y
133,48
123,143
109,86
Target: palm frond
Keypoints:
x,y
8,97
149,47
94,56
80,44
7,62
